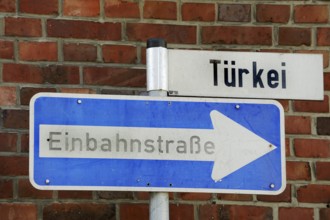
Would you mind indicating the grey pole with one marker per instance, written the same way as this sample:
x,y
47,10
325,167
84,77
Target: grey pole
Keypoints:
x,y
157,85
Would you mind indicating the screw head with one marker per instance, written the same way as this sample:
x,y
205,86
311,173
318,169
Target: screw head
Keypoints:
x,y
272,186
237,106
79,101
47,181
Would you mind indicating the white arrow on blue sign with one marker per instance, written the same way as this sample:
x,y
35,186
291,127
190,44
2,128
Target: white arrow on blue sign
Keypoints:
x,y
99,142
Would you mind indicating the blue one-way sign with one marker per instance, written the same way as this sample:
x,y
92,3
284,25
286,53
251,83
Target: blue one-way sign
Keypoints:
x,y
98,142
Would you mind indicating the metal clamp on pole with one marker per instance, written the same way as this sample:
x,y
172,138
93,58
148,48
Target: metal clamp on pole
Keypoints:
x,y
157,85
157,67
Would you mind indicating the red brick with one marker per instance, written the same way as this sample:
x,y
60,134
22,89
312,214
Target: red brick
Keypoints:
x,y
142,195
14,166
297,125
326,81
8,96
28,92
6,189
323,36
235,12
312,106
311,14
87,8
325,214
22,27
6,49
144,55
75,194
296,170
15,118
26,190
314,193
80,52
180,34
25,143
115,195
8,142
235,197
296,213
121,9
181,211
285,196
24,73
234,212
195,196
134,211
7,6
236,35
291,36
115,76
38,51
198,12
322,170
323,125
58,211
17,211
49,7
324,53
78,29
119,54
273,13
314,148
287,147
159,10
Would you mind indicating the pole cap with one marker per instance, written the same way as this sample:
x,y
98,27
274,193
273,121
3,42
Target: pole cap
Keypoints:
x,y
156,42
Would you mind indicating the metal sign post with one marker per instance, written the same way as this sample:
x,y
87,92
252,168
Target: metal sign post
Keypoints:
x,y
157,85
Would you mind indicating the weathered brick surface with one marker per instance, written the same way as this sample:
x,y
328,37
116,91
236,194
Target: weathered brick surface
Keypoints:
x,y
234,212
88,8
8,96
160,10
236,35
296,213
81,211
22,27
25,73
297,125
115,76
83,29
298,170
315,148
198,11
273,13
314,193
183,34
7,6
8,142
99,47
311,14
289,36
26,211
119,54
49,7
38,51
323,125
235,12
79,52
322,170
121,9
6,49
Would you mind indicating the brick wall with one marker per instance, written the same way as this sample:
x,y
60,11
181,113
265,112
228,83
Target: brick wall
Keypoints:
x,y
98,46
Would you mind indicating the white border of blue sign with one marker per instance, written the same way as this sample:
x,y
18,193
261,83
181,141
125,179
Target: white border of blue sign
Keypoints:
x,y
150,188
